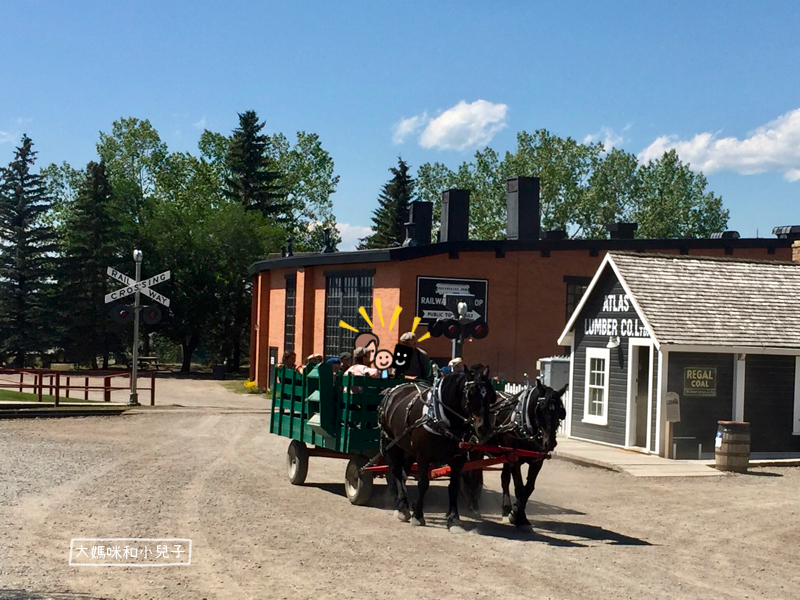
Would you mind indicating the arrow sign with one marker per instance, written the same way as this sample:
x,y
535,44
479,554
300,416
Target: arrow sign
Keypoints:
x,y
132,287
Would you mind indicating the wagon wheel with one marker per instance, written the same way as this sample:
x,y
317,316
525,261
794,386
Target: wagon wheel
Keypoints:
x,y
357,485
297,462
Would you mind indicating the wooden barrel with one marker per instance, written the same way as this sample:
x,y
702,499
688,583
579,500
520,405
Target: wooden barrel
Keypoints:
x,y
732,446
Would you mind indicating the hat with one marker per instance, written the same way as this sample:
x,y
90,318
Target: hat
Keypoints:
x,y
333,360
359,352
408,337
345,355
456,361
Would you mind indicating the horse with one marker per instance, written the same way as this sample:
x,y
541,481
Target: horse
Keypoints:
x,y
526,421
426,426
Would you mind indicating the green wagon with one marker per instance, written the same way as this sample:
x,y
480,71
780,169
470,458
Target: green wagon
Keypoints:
x,y
329,417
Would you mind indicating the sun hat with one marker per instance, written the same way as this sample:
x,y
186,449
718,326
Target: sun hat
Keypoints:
x,y
359,352
408,337
333,360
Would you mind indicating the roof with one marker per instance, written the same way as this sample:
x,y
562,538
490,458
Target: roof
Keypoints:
x,y
500,247
710,301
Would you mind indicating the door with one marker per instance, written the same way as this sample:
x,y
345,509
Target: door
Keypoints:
x,y
640,377
273,362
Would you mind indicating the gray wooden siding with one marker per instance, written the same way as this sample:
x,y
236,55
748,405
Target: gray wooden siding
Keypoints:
x,y
769,403
614,432
699,414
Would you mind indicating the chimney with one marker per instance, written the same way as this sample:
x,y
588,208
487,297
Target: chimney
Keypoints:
x,y
787,232
455,216
522,200
411,239
421,214
796,251
622,231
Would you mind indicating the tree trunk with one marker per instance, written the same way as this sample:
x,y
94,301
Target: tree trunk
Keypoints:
x,y
188,349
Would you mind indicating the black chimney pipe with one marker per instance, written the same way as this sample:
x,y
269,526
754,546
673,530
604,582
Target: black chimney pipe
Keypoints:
x,y
622,231
455,216
421,214
522,204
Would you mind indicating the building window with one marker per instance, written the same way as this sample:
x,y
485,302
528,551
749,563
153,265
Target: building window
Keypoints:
x,y
595,406
576,287
345,292
288,315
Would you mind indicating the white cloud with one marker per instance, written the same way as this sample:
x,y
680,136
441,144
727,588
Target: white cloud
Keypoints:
x,y
609,137
772,147
351,235
460,127
201,124
406,127
464,126
6,137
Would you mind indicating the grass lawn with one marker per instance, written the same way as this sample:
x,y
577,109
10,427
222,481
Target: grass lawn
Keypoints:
x,y
238,387
12,396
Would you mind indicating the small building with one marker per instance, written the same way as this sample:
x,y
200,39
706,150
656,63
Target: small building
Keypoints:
x,y
664,346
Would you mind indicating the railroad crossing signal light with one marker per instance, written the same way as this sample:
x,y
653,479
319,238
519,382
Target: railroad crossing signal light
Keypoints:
x,y
121,313
477,329
151,314
452,329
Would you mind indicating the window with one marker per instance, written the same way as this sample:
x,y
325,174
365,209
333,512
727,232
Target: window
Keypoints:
x,y
288,315
576,286
595,406
345,292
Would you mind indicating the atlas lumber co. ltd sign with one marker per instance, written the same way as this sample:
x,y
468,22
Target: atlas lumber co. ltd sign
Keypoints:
x,y
623,326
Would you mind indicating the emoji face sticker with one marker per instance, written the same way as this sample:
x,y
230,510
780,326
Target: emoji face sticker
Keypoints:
x,y
383,359
370,343
402,356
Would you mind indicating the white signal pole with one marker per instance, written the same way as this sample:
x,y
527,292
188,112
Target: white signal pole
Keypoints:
x,y
137,308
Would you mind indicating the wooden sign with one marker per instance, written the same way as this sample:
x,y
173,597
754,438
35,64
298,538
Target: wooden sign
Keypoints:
x,y
700,381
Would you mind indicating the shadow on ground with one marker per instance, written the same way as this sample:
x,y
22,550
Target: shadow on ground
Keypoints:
x,y
17,594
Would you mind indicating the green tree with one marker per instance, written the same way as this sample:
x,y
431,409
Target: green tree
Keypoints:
x,y
674,201
27,244
391,215
90,244
253,179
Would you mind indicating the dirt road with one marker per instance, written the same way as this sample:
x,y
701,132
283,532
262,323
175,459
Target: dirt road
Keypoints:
x,y
214,475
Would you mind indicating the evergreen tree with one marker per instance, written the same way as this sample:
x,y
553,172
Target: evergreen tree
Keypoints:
x,y
91,240
251,180
27,245
390,217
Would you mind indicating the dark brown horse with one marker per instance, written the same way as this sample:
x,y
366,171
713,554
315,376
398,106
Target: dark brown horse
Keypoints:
x,y
425,425
526,421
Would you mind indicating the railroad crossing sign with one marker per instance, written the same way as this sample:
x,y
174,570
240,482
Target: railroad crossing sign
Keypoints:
x,y
132,286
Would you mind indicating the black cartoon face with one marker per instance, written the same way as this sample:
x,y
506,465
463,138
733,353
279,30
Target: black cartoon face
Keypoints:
x,y
402,356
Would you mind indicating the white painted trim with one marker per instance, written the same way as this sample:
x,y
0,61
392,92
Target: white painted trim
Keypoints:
x,y
663,372
570,395
650,392
738,389
732,349
630,414
574,316
604,354
796,427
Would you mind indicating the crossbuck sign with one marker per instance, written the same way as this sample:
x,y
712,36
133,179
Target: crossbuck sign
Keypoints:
x,y
131,287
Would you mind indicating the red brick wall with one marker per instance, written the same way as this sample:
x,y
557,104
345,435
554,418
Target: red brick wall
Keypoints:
x,y
526,303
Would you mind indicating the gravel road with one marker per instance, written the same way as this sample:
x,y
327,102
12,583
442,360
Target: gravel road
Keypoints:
x,y
211,473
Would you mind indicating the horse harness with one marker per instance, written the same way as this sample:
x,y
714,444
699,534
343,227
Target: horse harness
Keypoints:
x,y
519,424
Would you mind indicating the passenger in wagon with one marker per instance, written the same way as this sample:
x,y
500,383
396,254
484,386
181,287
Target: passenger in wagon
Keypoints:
x,y
419,365
288,361
361,364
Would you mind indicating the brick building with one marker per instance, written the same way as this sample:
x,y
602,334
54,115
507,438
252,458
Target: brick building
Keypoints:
x,y
529,284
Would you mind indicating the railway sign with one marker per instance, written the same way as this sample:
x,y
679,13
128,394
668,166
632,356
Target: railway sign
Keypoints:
x,y
437,298
132,286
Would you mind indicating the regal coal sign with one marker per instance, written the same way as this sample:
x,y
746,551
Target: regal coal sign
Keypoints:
x,y
700,381
434,294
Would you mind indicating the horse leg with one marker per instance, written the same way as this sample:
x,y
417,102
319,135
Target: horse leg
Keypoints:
x,y
453,520
472,484
527,490
395,478
505,480
517,517
423,483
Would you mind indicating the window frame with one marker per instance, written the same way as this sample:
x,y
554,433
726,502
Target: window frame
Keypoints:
x,y
574,283
290,313
596,354
345,307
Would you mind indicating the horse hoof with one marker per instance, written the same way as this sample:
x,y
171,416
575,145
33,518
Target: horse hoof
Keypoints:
x,y
404,515
456,527
510,518
418,522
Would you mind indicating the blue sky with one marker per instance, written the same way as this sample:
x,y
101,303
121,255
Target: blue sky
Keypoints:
x,y
716,80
